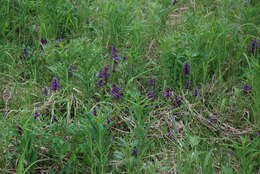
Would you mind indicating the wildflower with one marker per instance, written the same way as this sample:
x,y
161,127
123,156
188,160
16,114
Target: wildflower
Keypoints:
x,y
168,92
196,92
253,46
114,54
115,92
134,152
100,83
115,57
108,121
246,89
36,114
150,94
55,85
186,69
94,112
151,82
19,129
174,2
101,75
115,88
178,101
114,66
43,41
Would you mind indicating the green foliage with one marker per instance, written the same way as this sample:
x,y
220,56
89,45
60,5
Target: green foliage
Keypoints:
x,y
81,128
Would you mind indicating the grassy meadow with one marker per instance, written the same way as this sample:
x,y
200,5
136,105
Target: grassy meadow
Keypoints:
x,y
130,86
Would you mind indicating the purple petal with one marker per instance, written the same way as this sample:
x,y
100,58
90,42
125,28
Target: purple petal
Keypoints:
x,y
246,89
43,41
186,69
253,46
168,92
36,114
101,74
150,94
178,101
55,85
151,82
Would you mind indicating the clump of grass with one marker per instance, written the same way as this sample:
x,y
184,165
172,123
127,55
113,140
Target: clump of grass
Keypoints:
x,y
129,86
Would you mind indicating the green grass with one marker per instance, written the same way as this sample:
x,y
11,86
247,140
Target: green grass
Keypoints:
x,y
217,131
